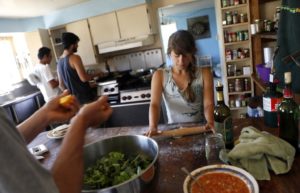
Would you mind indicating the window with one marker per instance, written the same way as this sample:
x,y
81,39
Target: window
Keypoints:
x,y
9,69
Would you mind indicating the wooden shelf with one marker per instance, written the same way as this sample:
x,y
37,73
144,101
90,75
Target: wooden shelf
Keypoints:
x,y
237,42
240,93
234,7
237,60
236,25
241,76
266,35
237,108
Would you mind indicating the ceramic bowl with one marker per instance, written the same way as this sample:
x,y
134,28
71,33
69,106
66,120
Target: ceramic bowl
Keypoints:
x,y
246,177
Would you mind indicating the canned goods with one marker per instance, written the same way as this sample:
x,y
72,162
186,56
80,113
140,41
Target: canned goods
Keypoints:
x,y
258,25
230,87
238,85
246,84
234,54
242,18
246,35
228,17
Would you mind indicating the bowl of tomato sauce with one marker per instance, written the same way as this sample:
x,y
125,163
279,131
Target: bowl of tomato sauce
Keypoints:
x,y
220,178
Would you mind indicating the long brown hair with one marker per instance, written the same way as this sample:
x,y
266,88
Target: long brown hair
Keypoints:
x,y
183,42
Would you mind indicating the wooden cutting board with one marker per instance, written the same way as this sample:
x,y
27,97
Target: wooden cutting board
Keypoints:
x,y
183,131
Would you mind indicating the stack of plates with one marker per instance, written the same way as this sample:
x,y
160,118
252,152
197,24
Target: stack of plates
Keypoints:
x,y
59,132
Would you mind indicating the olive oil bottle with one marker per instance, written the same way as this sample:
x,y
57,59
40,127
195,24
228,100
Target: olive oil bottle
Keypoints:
x,y
222,118
288,112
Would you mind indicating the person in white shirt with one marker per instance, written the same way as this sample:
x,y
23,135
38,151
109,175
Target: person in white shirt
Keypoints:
x,y
43,76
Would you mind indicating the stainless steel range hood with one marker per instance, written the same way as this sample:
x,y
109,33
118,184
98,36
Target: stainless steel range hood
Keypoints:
x,y
125,44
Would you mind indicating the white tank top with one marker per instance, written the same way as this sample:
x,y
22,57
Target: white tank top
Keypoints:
x,y
177,108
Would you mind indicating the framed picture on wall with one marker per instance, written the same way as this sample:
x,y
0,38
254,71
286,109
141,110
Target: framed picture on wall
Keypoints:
x,y
199,27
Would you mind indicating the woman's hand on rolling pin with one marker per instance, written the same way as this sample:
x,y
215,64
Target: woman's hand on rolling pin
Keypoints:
x,y
152,131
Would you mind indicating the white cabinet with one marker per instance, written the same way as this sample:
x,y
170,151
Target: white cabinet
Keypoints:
x,y
104,28
85,46
35,40
55,34
121,24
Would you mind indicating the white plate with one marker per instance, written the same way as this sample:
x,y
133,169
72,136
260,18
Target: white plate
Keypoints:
x,y
220,168
59,132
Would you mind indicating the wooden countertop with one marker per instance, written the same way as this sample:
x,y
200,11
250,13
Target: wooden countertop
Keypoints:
x,y
185,151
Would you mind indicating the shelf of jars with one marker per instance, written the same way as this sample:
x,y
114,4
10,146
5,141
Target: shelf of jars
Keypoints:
x,y
237,60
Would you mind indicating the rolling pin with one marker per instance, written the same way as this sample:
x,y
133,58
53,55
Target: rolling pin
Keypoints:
x,y
183,131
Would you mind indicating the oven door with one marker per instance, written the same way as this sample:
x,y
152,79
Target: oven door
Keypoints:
x,y
133,114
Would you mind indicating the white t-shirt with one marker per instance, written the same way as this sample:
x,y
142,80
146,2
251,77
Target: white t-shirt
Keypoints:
x,y
45,75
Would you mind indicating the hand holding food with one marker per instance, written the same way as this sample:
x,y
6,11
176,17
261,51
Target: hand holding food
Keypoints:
x,y
66,100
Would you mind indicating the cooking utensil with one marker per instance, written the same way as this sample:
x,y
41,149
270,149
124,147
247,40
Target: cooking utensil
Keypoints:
x,y
130,145
183,131
191,176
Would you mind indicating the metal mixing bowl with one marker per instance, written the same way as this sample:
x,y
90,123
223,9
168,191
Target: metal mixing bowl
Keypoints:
x,y
129,145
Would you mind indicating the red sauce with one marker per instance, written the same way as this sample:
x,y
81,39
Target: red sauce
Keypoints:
x,y
219,183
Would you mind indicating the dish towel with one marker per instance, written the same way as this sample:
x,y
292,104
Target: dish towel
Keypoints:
x,y
259,151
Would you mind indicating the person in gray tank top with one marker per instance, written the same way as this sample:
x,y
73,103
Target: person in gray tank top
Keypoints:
x,y
186,90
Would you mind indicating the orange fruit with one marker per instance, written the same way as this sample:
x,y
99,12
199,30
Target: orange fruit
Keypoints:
x,y
66,100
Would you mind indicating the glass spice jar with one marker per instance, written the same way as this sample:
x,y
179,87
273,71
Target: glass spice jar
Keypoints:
x,y
238,85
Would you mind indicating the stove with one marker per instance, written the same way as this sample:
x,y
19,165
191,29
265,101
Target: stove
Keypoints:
x,y
136,95
122,88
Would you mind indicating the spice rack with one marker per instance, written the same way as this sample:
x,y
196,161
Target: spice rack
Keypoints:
x,y
236,60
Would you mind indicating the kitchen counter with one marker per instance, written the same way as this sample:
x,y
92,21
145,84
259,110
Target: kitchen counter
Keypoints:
x,y
177,152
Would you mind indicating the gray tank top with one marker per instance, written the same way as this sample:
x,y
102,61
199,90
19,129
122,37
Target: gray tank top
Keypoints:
x,y
178,110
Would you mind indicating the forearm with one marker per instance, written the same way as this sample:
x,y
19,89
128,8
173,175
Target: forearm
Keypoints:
x,y
68,168
154,115
209,113
32,126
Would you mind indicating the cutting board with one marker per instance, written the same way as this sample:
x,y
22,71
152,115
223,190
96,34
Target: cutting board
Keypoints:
x,y
137,60
153,58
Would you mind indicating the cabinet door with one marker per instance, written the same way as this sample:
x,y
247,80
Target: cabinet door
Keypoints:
x,y
104,28
85,46
36,40
134,21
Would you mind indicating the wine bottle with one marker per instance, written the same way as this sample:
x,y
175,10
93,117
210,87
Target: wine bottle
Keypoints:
x,y
222,118
288,112
271,100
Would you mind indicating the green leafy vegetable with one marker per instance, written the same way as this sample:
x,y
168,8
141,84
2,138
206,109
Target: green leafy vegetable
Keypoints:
x,y
113,169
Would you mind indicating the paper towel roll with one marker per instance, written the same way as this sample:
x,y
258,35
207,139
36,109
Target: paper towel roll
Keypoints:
x,y
268,54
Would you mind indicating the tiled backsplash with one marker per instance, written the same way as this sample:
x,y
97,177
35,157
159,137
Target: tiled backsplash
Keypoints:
x,y
133,61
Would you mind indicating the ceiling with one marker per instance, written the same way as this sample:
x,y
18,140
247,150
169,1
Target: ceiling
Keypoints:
x,y
186,7
33,8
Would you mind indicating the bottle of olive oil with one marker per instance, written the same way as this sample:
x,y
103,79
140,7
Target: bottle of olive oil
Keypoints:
x,y
288,112
222,118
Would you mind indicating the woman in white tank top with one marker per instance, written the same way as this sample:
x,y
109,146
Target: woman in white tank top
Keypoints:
x,y
187,90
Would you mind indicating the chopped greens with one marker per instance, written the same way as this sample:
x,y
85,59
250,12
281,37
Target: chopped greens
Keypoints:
x,y
113,169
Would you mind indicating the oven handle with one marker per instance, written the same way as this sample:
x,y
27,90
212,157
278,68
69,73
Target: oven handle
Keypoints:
x,y
130,104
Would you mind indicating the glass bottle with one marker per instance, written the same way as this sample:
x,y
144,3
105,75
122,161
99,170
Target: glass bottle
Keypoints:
x,y
222,118
288,112
271,100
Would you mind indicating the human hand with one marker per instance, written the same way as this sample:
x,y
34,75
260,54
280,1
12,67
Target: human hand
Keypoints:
x,y
210,126
95,113
56,112
152,131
